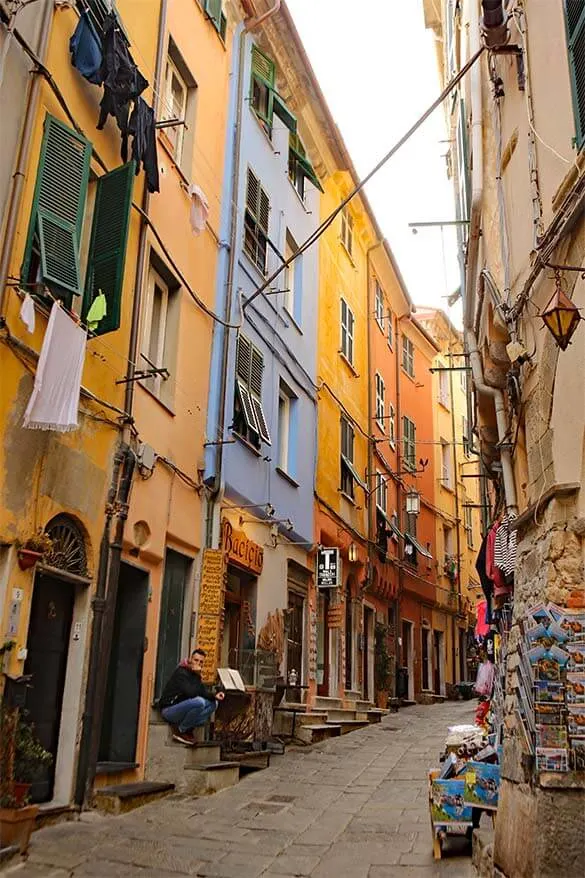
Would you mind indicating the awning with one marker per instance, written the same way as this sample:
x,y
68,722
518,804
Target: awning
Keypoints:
x,y
420,549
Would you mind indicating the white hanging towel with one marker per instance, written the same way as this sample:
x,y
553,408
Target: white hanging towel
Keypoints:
x,y
199,209
54,402
27,312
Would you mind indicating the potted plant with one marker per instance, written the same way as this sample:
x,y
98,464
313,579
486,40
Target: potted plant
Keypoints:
x,y
382,665
35,548
21,758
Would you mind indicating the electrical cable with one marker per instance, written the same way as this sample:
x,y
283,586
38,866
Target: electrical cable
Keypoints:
x,y
363,182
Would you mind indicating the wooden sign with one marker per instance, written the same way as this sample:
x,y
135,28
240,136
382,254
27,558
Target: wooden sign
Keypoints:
x,y
241,550
210,609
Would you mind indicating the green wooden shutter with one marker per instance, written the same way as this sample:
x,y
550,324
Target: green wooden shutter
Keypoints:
x,y
263,67
300,156
107,250
284,114
575,14
215,12
58,206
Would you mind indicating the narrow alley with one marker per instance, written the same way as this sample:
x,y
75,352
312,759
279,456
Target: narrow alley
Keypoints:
x,y
353,806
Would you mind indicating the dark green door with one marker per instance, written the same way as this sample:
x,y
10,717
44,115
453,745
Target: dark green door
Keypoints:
x,y
170,629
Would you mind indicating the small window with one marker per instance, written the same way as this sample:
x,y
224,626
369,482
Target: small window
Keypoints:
x,y
448,543
408,356
465,436
256,222
175,108
575,16
446,464
390,319
292,278
262,88
468,518
347,461
463,378
379,312
380,404
444,394
287,432
159,333
392,425
347,230
249,418
409,443
381,491
347,331
217,16
411,524
299,166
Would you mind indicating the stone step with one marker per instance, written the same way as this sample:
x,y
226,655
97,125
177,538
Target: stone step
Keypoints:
x,y
375,716
166,760
311,719
253,760
323,702
121,798
350,725
282,723
364,706
340,713
320,732
211,777
201,754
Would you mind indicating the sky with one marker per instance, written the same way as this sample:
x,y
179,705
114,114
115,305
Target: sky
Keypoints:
x,y
376,64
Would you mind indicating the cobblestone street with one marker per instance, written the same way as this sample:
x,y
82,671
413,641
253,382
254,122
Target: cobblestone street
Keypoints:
x,y
355,806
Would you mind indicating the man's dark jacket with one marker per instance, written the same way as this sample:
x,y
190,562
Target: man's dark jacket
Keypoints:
x,y
184,683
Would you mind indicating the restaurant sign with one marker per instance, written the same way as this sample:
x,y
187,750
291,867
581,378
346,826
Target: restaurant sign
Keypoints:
x,y
241,550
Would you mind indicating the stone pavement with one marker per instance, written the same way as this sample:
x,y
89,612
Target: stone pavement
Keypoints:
x,y
353,807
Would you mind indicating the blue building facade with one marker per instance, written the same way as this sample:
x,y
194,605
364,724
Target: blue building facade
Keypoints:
x,y
262,414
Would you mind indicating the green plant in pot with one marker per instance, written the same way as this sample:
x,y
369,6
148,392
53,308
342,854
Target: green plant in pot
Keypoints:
x,y
22,757
382,665
34,549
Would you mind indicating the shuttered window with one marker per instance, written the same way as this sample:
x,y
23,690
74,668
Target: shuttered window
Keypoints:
x,y
575,15
107,249
215,13
380,403
256,222
408,356
58,206
409,443
249,419
299,166
347,331
264,98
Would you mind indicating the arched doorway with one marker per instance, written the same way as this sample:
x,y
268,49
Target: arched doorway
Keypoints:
x,y
63,572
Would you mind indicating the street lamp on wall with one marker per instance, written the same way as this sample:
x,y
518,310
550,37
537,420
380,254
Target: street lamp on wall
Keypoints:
x,y
561,317
412,502
352,553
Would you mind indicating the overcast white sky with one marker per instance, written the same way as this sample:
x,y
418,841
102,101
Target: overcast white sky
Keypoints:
x,y
376,65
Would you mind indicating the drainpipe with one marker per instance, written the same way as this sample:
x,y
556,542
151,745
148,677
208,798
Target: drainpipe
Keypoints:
x,y
399,447
24,145
472,266
494,26
222,331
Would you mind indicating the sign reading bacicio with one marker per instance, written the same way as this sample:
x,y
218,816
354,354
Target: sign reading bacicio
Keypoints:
x,y
241,550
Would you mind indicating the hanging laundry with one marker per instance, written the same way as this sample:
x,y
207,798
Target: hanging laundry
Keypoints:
x,y
481,626
144,142
199,209
86,50
121,78
97,311
27,312
505,547
54,401
494,572
487,586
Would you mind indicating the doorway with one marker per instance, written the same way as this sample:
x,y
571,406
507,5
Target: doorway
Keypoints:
x,y
322,643
170,627
122,706
426,659
439,662
408,657
368,654
294,646
348,637
47,649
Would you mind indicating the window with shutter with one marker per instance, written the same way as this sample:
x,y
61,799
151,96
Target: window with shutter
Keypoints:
x,y
575,16
347,328
347,230
256,222
215,13
299,166
52,248
249,418
390,319
379,312
392,425
409,443
408,356
347,442
107,249
380,394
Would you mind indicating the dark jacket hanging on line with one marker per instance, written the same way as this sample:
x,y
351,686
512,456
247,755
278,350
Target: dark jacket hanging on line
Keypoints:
x,y
144,142
86,50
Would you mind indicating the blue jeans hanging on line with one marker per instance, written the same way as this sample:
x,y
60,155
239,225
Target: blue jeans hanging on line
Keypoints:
x,y
190,713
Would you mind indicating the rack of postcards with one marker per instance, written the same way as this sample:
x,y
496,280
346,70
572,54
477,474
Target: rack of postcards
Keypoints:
x,y
550,687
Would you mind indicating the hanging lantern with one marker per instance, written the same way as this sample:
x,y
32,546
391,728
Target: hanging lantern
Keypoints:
x,y
352,553
561,316
412,502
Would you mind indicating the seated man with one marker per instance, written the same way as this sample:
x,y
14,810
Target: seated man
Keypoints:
x,y
186,702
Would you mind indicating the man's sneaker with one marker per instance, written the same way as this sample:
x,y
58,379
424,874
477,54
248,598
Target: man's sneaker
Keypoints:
x,y
184,738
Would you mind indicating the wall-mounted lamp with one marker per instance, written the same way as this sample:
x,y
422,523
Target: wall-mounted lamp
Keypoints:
x,y
412,503
352,553
561,317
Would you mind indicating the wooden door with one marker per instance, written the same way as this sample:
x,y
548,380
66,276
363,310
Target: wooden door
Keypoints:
x,y
322,644
48,645
170,628
294,648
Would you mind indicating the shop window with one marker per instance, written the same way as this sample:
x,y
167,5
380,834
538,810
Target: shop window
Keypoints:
x,y
59,224
380,404
409,443
249,418
256,222
160,326
347,331
347,230
408,356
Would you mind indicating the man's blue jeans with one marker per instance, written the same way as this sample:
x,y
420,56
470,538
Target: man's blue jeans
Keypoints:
x,y
189,714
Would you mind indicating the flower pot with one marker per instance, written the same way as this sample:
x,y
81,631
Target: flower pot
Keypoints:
x,y
27,558
16,826
20,793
